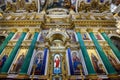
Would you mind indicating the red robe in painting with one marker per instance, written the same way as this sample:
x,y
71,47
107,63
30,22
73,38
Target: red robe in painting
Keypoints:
x,y
57,62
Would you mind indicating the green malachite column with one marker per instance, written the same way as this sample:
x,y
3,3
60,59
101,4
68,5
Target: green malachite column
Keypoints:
x,y
24,68
8,62
110,69
5,42
113,47
88,63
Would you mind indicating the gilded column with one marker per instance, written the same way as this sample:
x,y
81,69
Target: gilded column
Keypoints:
x,y
111,44
4,44
89,65
24,68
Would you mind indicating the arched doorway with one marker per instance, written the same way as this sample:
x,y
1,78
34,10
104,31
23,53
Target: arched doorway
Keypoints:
x,y
116,41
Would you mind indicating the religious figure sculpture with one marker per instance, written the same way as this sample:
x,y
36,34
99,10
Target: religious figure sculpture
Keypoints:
x,y
82,6
66,4
94,4
32,7
20,4
107,6
10,7
101,7
87,8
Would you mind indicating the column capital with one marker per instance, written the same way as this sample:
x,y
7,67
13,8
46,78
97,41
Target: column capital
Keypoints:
x,y
14,30
78,30
37,30
25,30
101,30
89,30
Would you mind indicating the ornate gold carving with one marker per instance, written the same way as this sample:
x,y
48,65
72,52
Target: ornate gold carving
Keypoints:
x,y
25,30
32,7
14,30
20,22
94,6
22,76
20,4
92,76
89,30
82,6
3,75
101,30
10,7
113,76
37,30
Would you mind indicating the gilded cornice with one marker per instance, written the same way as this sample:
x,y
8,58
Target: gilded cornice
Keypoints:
x,y
20,22
95,22
53,25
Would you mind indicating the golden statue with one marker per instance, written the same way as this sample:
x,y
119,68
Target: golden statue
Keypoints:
x,y
10,7
20,4
32,7
107,6
82,6
101,7
94,4
87,8
66,4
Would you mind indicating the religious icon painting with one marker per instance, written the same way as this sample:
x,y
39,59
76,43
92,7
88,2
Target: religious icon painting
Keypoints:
x,y
98,36
4,56
29,36
76,63
37,63
57,64
18,61
16,36
72,36
85,36
113,60
96,62
41,37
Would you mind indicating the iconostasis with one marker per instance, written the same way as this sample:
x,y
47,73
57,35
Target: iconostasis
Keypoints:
x,y
18,61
